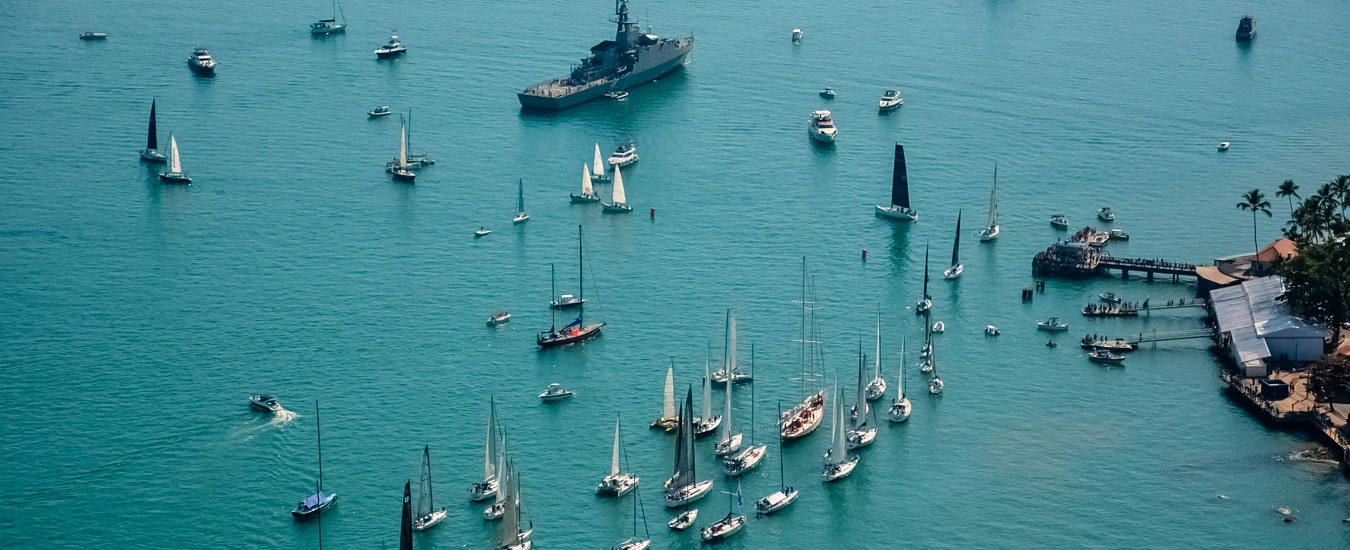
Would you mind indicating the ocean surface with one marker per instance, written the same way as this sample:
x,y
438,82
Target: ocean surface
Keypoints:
x,y
136,317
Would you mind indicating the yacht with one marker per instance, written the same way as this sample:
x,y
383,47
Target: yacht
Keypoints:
x,y
330,25
900,408
201,61
265,403
577,330
1052,324
428,515
492,460
390,49
957,268
839,464
1105,214
683,487
498,319
785,494
174,172
401,170
316,503
1118,234
382,110
900,208
796,35
729,525
625,155
91,35
707,423
990,231
827,93
566,301
861,433
876,388
730,441
555,392
520,216
151,152
890,100
617,483
822,127
926,303
935,385
1059,220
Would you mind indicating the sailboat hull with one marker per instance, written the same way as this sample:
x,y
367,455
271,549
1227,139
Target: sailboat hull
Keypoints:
x,y
310,511
836,472
585,198
430,520
954,271
152,155
689,494
897,213
174,177
988,234
564,337
617,207
900,411
804,418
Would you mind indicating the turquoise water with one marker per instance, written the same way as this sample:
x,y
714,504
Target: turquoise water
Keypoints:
x,y
137,317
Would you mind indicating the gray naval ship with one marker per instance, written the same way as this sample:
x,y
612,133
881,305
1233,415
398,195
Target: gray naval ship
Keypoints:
x,y
631,59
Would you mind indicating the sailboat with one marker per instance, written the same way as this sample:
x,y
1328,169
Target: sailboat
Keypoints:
x,y
900,408
174,173
707,423
752,454
319,501
489,486
730,442
401,170
412,160
598,168
633,542
935,385
587,191
990,231
877,386
617,483
405,524
861,433
838,465
729,525
509,535
899,208
736,375
151,152
619,200
329,26
427,514
955,270
785,494
521,216
923,305
577,330
806,416
683,487
495,510
669,420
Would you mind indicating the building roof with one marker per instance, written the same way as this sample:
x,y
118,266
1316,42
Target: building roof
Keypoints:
x,y
1281,248
1253,311
1214,275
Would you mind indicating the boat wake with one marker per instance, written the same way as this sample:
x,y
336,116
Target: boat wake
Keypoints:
x,y
278,419
1317,455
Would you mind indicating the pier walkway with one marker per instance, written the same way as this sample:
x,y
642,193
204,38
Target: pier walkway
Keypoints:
x,y
1076,258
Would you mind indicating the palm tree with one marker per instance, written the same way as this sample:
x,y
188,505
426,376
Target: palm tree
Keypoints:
x,y
1255,201
1340,188
1289,190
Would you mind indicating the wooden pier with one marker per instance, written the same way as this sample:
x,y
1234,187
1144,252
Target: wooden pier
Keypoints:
x,y
1078,258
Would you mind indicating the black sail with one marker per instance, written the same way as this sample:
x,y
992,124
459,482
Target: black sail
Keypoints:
x,y
405,527
899,179
151,139
956,245
681,456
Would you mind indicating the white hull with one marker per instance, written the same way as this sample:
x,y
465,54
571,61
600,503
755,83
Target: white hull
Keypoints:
x,y
836,472
823,137
617,485
746,460
622,161
430,520
897,213
988,234
728,446
683,521
483,490
723,528
521,218
775,502
876,389
690,494
153,156
900,411
923,305
702,427
954,272
861,439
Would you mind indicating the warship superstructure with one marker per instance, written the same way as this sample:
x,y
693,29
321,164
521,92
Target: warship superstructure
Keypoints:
x,y
630,59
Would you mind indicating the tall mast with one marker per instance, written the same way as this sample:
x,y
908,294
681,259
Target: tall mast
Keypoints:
x,y
318,428
782,477
752,393
581,280
803,336
553,295
431,499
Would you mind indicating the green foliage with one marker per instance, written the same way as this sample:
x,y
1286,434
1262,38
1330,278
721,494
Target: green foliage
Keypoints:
x,y
1321,216
1255,201
1328,377
1317,284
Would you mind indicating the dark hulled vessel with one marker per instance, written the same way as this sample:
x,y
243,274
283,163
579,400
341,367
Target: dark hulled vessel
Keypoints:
x,y
1246,28
631,59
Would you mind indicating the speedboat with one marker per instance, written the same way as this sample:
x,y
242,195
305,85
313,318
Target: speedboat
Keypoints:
x,y
1119,235
498,318
1103,356
481,232
617,485
939,327
566,301
314,504
954,271
991,330
745,460
91,35
890,100
265,403
1058,220
1105,214
935,386
836,472
201,61
1109,297
796,35
624,155
617,96
1223,146
1052,324
822,127
776,501
390,49
684,520
380,111
1246,28
827,93
555,392
723,528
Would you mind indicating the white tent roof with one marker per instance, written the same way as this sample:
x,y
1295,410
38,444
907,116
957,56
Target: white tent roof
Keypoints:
x,y
1252,312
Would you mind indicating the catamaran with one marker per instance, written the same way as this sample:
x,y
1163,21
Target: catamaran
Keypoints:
x,y
316,503
900,408
587,190
925,303
683,487
706,423
955,270
577,330
598,168
729,525
669,420
428,515
805,417
861,433
400,170
617,483
838,465
876,388
785,494
151,151
900,208
633,542
730,441
990,231
489,486
521,216
330,25
619,202
752,454
174,173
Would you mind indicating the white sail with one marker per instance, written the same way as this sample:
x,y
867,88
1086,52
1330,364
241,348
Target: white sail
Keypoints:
x,y
175,165
586,189
877,374
619,197
993,200
599,168
728,363
707,392
840,453
489,468
668,407
403,149
900,384
614,460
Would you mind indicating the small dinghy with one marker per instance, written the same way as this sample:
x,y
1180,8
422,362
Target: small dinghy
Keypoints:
x,y
1103,356
827,93
380,111
991,330
555,392
481,232
1223,146
1109,297
939,327
1059,220
498,318
265,403
683,521
617,96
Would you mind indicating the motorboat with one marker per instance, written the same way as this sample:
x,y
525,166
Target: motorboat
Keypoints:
x,y
566,301
957,268
991,330
618,482
1105,214
890,100
174,172
827,93
617,96
391,48
499,318
744,461
900,208
1223,146
380,111
1119,235
151,152
821,127
91,35
796,35
723,528
1058,220
683,521
201,61
481,232
265,403
1246,28
521,216
1109,297
330,25
428,515
1103,356
587,188
939,327
1052,324
555,392
624,155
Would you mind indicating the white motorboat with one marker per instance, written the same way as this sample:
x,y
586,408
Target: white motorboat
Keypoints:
x,y
617,483
990,231
482,232
991,330
683,487
1059,220
624,155
890,100
587,191
707,423
796,35
684,520
598,174
619,200
265,403
330,25
1052,324
827,93
669,420
1223,146
428,515
617,96
838,463
401,170
821,127
91,35
492,457
900,208
900,407
521,216
319,501
390,49
1104,356
555,392
174,173
1109,297
956,269
876,387
201,61
381,111
151,151
939,327
1105,214
566,301
499,318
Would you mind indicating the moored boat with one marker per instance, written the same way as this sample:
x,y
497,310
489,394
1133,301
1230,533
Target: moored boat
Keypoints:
x,y
821,127
201,61
151,151
990,231
391,48
1105,214
1246,28
577,330
1059,220
684,487
890,100
555,392
624,155
619,200
498,318
382,110
1052,324
1103,356
330,25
